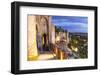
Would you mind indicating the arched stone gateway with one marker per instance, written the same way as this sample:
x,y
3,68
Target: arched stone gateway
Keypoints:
x,y
43,29
41,33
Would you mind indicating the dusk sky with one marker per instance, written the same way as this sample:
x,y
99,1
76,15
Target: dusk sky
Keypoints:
x,y
71,23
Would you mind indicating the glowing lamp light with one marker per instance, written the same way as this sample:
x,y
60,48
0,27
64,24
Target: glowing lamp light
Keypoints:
x,y
57,38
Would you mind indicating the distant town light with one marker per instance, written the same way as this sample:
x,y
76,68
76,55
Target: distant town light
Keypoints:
x,y
74,49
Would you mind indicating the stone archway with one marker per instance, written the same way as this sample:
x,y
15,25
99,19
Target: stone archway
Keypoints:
x,y
45,33
45,43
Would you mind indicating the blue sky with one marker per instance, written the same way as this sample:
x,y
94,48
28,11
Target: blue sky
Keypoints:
x,y
71,23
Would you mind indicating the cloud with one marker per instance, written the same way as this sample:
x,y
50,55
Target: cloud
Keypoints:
x,y
77,24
